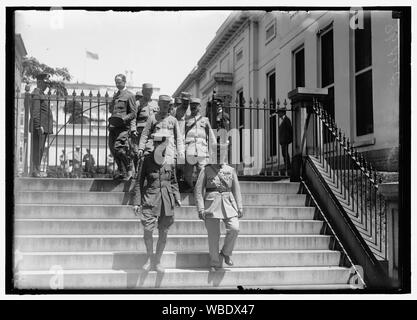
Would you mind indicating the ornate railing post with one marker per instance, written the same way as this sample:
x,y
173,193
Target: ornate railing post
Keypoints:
x,y
302,100
390,193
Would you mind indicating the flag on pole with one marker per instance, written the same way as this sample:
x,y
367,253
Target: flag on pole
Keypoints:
x,y
92,55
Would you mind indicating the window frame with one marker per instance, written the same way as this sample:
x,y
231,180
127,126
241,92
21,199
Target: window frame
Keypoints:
x,y
294,65
274,116
273,36
359,139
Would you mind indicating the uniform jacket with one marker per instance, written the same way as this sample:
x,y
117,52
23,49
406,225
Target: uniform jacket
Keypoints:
x,y
161,187
124,105
285,131
155,124
145,110
199,136
41,114
217,192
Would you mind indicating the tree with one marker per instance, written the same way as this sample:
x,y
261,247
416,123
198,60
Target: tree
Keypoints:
x,y
76,110
32,67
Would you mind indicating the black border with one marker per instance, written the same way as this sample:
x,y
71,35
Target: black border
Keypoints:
x,y
404,153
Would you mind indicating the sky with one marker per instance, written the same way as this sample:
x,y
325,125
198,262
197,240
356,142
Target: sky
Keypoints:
x,y
160,47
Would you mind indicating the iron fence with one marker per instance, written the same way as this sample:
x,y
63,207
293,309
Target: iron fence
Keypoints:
x,y
352,178
82,120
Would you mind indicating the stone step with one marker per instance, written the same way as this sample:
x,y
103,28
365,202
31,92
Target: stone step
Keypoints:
x,y
108,185
63,197
184,278
55,211
65,243
180,227
130,260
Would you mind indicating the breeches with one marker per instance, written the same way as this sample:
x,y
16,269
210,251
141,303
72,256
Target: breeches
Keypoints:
x,y
119,147
150,220
213,231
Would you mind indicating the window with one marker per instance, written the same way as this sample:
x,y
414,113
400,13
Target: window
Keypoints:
x,y
270,32
299,70
241,122
327,71
272,115
363,78
239,55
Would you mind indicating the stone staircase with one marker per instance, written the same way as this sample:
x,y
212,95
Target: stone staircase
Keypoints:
x,y
82,234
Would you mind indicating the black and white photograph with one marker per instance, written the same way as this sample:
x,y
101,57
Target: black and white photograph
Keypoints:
x,y
208,150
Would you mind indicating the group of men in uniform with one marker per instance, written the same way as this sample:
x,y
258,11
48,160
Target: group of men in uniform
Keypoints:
x,y
134,122
160,143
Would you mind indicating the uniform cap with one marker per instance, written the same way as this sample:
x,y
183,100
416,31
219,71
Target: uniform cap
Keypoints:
x,y
185,95
282,109
139,93
178,100
147,86
195,100
77,147
164,97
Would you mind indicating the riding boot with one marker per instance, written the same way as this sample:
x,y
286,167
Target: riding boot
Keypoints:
x,y
147,237
160,246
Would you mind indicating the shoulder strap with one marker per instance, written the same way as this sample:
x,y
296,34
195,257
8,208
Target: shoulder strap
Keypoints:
x,y
187,129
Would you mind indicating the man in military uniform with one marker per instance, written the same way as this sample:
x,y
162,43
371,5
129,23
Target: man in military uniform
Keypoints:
x,y
199,140
41,121
175,106
162,128
122,123
146,108
218,197
155,202
181,111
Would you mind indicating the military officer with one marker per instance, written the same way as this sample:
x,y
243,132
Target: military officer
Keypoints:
x,y
162,134
199,140
173,109
145,110
155,202
181,111
218,197
41,121
122,123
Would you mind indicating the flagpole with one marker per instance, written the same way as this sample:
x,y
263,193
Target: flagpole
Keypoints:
x,y
85,63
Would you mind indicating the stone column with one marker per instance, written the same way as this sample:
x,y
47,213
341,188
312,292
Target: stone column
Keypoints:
x,y
390,193
303,135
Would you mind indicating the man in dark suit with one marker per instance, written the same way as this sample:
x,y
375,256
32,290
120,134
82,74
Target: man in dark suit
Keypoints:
x,y
41,121
285,136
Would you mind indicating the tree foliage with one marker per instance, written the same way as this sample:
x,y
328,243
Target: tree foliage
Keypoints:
x,y
32,67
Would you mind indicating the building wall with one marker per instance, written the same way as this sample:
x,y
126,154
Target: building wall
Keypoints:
x,y
295,29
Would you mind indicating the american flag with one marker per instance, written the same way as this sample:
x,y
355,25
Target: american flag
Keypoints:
x,y
92,55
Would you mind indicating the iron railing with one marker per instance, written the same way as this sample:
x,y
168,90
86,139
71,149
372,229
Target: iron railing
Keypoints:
x,y
77,120
83,119
353,179
261,124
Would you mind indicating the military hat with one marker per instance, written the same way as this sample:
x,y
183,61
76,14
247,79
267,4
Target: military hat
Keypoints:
x,y
177,100
147,86
43,76
185,95
139,94
195,100
77,147
164,97
282,110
